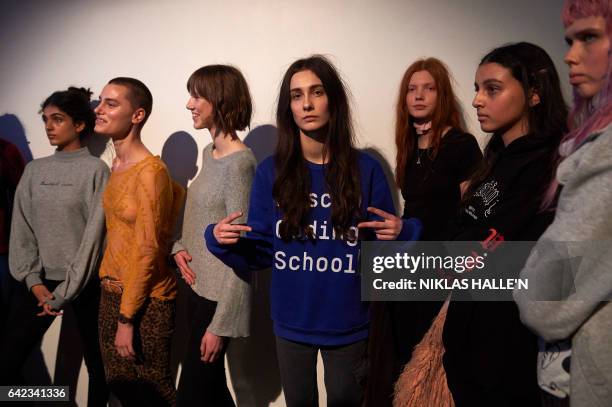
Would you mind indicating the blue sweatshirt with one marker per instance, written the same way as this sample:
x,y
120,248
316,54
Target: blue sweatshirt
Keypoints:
x,y
315,290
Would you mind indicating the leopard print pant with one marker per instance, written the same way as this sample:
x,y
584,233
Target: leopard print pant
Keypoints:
x,y
147,380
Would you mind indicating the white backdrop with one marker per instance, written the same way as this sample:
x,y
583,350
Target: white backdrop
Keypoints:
x,y
49,45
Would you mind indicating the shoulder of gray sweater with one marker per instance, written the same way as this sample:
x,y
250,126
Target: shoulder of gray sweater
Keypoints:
x,y
96,165
38,162
603,138
597,154
243,160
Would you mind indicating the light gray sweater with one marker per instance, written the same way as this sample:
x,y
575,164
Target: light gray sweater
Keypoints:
x,y
222,187
578,273
57,231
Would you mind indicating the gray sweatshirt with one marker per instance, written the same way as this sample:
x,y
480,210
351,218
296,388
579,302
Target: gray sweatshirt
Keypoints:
x,y
57,231
222,187
570,272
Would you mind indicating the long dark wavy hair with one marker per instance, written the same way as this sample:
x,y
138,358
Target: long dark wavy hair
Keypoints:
x,y
547,120
292,185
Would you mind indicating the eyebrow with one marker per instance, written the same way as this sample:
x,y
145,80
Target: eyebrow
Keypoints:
x,y
319,85
491,82
54,115
583,32
423,84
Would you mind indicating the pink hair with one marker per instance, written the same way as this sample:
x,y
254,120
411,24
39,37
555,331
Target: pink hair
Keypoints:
x,y
587,115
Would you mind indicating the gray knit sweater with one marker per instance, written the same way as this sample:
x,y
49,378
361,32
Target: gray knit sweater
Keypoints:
x,y
578,273
57,231
222,187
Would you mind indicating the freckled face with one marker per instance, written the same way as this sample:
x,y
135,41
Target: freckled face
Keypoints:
x,y
422,96
309,103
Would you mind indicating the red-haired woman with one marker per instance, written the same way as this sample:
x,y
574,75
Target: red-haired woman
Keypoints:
x,y
435,157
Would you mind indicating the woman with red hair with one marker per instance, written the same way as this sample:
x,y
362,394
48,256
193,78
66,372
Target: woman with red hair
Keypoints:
x,y
434,158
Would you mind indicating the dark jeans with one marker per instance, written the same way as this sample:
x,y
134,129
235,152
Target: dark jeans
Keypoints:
x,y
25,330
345,370
202,384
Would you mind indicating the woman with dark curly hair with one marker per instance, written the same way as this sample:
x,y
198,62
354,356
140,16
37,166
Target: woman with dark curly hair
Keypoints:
x,y
57,238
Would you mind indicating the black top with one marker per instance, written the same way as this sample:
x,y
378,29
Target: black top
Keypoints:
x,y
509,200
431,189
432,194
490,357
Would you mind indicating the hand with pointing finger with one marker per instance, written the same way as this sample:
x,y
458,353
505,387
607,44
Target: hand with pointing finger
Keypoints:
x,y
387,229
227,233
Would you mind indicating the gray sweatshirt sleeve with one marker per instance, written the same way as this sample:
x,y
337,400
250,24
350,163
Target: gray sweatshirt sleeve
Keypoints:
x,y
87,259
233,312
24,262
177,246
569,270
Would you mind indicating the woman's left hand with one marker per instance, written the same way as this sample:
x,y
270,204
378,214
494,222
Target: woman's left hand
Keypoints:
x,y
387,229
48,310
123,340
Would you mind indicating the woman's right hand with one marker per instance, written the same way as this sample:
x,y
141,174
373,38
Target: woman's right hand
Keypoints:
x,y
182,260
226,233
41,293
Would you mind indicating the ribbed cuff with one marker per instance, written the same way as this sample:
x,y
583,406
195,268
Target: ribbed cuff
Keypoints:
x,y
209,235
176,247
411,230
33,279
58,302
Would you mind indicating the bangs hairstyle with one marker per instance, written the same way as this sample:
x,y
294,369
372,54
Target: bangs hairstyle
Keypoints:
x,y
75,102
445,114
292,184
533,68
225,88
138,94
589,115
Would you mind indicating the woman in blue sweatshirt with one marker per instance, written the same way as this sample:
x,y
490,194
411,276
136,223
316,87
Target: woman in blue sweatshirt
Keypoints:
x,y
309,205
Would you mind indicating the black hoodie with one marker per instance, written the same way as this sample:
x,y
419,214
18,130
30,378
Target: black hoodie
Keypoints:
x,y
491,357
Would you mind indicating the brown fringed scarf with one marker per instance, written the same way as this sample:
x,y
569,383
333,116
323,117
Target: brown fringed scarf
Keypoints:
x,y
423,380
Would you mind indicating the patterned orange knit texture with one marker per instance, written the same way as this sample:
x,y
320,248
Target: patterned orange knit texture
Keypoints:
x,y
141,206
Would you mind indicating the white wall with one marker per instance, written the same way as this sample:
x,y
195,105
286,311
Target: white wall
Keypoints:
x,y
49,45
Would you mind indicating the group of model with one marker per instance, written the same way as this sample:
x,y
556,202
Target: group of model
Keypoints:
x,y
100,240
